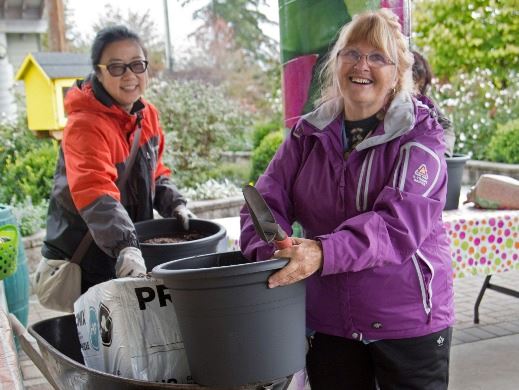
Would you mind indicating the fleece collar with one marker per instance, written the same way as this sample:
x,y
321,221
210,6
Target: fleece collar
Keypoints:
x,y
104,97
399,119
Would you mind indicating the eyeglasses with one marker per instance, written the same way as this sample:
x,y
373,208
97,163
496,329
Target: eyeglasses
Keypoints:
x,y
375,59
118,69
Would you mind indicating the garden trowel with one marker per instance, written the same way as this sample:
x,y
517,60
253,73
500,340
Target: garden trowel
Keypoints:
x,y
263,219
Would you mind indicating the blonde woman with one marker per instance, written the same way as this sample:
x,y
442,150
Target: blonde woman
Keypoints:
x,y
365,176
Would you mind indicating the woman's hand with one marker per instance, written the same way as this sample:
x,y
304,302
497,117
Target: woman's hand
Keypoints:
x,y
183,214
130,263
306,257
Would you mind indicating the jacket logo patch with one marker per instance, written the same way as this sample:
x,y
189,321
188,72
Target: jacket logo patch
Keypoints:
x,y
420,176
376,325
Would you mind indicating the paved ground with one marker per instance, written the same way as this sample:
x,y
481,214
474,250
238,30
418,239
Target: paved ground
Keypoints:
x,y
489,364
484,356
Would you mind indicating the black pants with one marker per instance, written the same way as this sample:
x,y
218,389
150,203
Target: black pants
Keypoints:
x,y
420,363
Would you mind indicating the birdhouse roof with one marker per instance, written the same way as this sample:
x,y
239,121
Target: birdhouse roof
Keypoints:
x,y
57,65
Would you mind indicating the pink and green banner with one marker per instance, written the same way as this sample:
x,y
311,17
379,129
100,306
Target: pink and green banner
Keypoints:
x,y
308,28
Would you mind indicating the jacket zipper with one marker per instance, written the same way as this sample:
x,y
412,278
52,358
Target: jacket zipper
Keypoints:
x,y
426,291
365,175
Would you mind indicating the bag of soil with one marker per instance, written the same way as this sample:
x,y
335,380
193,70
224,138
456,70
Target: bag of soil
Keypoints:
x,y
128,327
495,192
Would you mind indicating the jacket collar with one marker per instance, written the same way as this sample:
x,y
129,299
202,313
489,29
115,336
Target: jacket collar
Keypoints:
x,y
104,97
399,119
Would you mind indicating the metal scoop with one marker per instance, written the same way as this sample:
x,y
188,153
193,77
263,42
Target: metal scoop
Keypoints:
x,y
263,219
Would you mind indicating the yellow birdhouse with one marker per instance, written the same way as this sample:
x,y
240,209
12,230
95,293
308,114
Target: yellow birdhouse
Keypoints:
x,y
47,78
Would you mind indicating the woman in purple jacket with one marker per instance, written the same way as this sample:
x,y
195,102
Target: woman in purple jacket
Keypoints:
x,y
365,176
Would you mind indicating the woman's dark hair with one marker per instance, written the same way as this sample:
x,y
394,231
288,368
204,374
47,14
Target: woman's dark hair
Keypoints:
x,y
422,73
108,35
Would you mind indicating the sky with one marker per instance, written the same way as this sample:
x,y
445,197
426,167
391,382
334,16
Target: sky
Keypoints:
x,y
181,24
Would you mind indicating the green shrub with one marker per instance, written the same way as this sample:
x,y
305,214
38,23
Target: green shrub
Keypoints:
x,y
476,107
212,189
16,138
264,128
199,122
466,35
31,218
262,155
27,166
504,145
29,174
236,172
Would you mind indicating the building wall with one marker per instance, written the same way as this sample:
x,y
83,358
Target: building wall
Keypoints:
x,y
19,45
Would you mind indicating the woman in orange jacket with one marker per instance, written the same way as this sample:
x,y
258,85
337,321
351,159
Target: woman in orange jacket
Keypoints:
x,y
104,112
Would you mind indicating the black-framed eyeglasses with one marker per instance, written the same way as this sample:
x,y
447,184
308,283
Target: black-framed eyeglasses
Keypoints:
x,y
118,68
375,59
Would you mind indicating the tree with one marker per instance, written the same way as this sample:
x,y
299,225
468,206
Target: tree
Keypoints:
x,y
141,23
235,24
76,42
233,51
463,35
199,122
56,14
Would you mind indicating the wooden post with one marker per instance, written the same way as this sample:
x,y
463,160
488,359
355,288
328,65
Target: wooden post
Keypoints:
x,y
169,55
56,14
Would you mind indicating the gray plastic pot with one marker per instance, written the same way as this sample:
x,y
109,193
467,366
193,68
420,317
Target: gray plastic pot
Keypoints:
x,y
236,331
155,254
455,166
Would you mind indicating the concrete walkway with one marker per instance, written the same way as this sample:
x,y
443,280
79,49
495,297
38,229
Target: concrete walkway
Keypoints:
x,y
490,364
485,356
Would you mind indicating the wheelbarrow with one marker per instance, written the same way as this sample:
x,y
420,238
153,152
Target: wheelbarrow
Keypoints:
x,y
53,346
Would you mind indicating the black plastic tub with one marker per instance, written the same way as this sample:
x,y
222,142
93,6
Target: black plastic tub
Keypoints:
x,y
155,254
455,166
236,330
59,346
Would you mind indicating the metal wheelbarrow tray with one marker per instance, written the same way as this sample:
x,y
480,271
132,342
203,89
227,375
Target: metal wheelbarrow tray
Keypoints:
x,y
61,353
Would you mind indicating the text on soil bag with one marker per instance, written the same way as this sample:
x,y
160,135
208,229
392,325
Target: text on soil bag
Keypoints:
x,y
147,294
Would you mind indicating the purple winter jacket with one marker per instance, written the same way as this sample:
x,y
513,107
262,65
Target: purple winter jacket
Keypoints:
x,y
378,214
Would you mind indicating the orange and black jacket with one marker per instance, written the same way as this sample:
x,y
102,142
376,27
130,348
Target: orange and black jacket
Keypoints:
x,y
95,148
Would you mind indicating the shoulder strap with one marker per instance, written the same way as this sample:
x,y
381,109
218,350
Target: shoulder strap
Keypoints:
x,y
87,239
131,158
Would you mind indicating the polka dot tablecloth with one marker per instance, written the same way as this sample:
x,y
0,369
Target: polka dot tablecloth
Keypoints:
x,y
483,242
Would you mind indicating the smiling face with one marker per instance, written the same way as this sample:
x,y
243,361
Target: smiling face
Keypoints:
x,y
129,87
364,88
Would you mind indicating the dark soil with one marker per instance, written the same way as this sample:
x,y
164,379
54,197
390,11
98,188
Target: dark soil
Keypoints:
x,y
175,238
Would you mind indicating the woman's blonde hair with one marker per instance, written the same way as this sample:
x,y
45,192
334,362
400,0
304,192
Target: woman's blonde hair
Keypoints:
x,y
381,29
